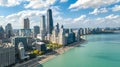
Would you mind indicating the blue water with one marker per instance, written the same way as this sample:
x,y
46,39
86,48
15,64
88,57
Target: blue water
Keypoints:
x,y
100,51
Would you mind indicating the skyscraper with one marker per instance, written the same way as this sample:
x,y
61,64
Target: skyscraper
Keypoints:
x,y
36,30
8,30
42,27
57,27
49,21
42,24
1,32
61,37
54,35
26,24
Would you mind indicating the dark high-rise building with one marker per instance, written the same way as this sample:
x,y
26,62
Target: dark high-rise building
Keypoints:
x,y
8,30
57,27
49,21
36,30
17,40
26,24
1,32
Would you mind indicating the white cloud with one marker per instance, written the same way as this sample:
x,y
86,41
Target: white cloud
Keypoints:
x,y
83,21
55,10
63,1
116,8
2,21
10,3
81,18
91,3
98,11
36,4
112,16
16,19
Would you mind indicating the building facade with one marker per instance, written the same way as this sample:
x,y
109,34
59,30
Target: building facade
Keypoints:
x,y
25,32
49,21
7,55
21,51
2,33
26,23
36,30
8,30
42,28
61,37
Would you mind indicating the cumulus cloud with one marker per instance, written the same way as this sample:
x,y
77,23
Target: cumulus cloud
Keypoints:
x,y
63,1
116,8
10,3
16,19
98,11
107,21
35,4
83,21
112,16
82,4
81,18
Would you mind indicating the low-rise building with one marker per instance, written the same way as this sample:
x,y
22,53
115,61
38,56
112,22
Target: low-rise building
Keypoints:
x,y
41,46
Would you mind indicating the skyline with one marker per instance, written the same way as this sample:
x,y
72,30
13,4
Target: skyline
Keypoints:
x,y
70,13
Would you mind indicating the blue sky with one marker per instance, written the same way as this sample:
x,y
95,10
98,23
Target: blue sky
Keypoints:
x,y
70,13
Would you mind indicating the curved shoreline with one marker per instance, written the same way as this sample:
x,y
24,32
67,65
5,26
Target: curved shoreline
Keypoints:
x,y
58,52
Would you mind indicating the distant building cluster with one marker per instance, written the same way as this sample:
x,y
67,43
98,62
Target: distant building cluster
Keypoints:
x,y
55,34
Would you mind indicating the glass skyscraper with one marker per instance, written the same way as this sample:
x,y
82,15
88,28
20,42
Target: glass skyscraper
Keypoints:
x,y
49,21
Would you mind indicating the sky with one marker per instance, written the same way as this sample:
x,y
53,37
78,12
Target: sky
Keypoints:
x,y
70,13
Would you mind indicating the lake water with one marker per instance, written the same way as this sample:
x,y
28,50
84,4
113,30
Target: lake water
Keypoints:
x,y
100,51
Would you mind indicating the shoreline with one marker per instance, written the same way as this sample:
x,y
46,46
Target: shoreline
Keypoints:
x,y
57,52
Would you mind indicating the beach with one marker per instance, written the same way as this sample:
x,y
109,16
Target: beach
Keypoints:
x,y
57,52
39,60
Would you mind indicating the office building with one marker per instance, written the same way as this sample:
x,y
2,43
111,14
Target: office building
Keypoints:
x,y
42,28
8,30
41,46
26,23
25,32
70,37
21,51
49,21
7,55
36,30
55,33
17,40
2,33
61,36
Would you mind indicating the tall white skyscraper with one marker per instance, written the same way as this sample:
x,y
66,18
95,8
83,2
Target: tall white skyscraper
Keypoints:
x,y
62,38
55,33
77,35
